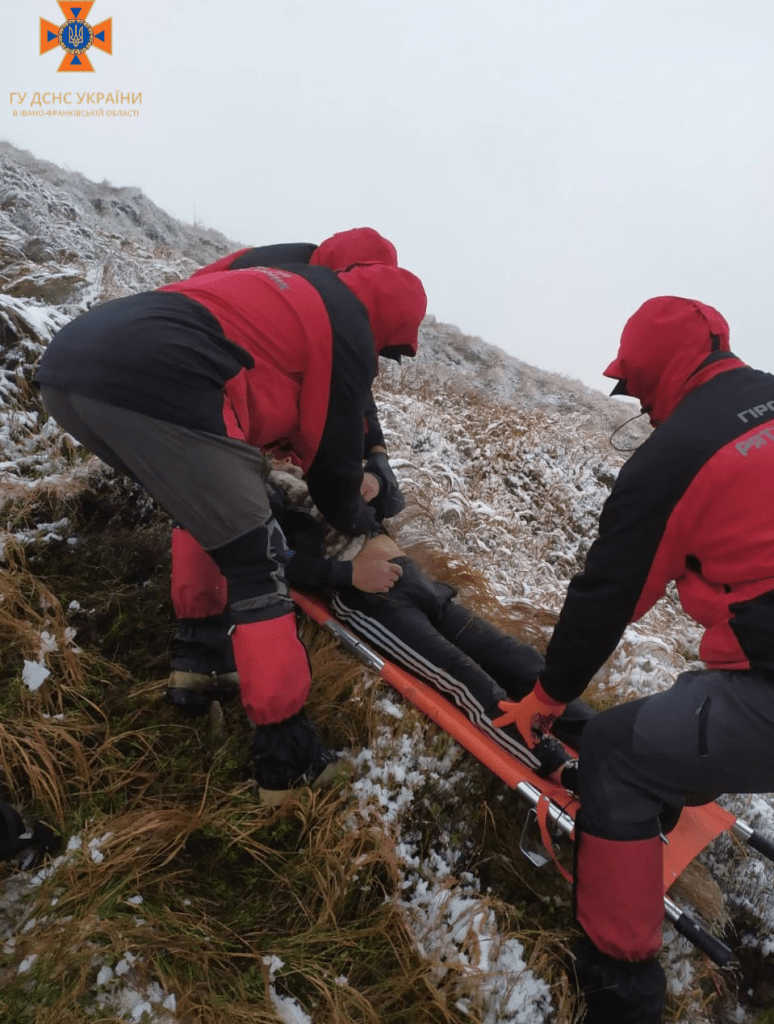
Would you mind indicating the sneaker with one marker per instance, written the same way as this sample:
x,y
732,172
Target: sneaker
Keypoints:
x,y
197,690
568,776
552,756
549,752
557,764
286,756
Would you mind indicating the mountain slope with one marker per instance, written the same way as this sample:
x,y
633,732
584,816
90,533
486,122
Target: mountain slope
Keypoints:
x,y
404,900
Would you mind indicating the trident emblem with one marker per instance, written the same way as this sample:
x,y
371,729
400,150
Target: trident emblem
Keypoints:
x,y
76,36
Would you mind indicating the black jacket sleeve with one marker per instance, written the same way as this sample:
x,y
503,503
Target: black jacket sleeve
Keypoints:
x,y
601,600
298,545
634,557
336,473
374,437
310,572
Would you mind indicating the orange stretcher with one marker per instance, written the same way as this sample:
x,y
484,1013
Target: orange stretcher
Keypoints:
x,y
553,807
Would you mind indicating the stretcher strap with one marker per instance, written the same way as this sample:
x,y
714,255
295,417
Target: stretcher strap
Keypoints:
x,y
542,808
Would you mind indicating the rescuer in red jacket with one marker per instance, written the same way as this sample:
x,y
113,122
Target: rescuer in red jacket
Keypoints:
x,y
183,388
693,505
202,659
356,245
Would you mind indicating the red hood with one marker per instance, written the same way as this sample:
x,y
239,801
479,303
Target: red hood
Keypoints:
x,y
662,347
359,245
396,304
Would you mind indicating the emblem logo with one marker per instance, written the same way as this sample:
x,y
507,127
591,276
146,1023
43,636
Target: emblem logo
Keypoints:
x,y
76,36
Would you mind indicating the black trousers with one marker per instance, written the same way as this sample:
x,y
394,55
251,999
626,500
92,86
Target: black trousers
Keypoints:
x,y
710,733
421,627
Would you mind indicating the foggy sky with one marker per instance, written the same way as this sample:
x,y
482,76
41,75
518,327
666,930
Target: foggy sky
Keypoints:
x,y
544,168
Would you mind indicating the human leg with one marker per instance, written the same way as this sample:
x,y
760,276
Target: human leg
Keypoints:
x,y
400,624
214,487
512,664
710,733
515,665
202,656
618,879
60,406
273,667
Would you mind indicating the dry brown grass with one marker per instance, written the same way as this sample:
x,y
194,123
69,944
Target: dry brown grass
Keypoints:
x,y
530,623
225,883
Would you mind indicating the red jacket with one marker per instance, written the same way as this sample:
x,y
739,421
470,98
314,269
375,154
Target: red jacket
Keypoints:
x,y
279,359
342,250
313,338
694,504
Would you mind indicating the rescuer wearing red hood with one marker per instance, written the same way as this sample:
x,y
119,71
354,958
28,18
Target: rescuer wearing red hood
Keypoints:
x,y
185,387
693,505
342,250
202,659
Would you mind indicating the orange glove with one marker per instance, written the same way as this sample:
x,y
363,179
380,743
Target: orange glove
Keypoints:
x,y
533,715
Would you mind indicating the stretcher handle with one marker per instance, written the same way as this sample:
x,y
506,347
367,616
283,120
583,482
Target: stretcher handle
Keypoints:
x,y
699,936
758,842
354,645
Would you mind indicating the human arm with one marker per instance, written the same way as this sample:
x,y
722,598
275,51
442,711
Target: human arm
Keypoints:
x,y
315,572
335,475
380,487
224,263
533,716
301,539
639,549
373,570
387,500
274,255
373,439
370,570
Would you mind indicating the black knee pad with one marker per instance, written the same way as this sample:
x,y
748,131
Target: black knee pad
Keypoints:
x,y
253,566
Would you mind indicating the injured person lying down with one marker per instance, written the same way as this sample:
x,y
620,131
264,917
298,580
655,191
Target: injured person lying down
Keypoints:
x,y
418,623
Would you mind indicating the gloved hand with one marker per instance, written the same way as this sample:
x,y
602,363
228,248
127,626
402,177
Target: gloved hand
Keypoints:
x,y
533,715
389,501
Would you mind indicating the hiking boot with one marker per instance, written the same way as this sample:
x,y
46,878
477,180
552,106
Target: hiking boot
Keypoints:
x,y
203,668
330,771
286,756
197,690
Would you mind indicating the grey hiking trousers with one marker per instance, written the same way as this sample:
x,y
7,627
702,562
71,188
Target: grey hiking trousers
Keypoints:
x,y
711,733
212,485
